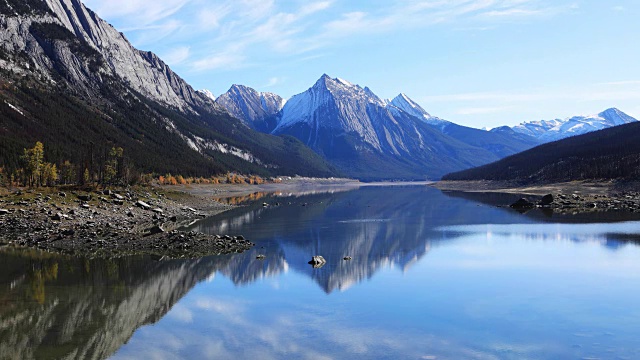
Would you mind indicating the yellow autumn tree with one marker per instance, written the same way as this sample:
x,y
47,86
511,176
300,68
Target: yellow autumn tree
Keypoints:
x,y
33,160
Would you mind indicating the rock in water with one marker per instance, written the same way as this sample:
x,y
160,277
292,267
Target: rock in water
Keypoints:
x,y
523,203
546,200
317,261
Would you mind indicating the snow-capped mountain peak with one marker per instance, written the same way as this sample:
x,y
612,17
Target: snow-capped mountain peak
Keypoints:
x,y
404,103
552,130
207,94
256,109
351,100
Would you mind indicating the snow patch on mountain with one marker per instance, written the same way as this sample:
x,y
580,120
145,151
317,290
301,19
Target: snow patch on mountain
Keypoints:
x,y
403,103
552,130
207,94
14,108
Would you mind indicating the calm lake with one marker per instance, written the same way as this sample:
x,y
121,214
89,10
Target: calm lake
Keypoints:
x,y
433,276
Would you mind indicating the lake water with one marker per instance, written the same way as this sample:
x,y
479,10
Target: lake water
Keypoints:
x,y
432,276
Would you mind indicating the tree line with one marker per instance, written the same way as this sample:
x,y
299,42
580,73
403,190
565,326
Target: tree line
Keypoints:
x,y
112,168
34,171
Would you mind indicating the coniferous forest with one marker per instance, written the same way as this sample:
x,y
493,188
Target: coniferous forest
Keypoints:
x,y
612,153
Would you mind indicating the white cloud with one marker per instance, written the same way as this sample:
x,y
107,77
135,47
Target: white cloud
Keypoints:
x,y
211,18
215,62
177,55
229,32
141,12
273,82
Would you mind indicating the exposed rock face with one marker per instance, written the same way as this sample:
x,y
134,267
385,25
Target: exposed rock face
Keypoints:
x,y
101,53
256,109
59,53
370,138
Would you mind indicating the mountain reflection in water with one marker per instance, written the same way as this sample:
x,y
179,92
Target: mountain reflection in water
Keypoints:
x,y
68,308
54,307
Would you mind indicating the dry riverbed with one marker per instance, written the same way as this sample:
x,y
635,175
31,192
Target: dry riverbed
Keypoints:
x,y
107,223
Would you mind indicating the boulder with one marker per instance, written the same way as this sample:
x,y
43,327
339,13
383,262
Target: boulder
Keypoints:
x,y
261,257
546,200
157,211
143,205
117,196
155,230
57,217
523,203
4,211
317,261
86,197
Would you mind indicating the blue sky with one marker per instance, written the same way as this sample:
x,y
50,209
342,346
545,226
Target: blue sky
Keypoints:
x,y
481,63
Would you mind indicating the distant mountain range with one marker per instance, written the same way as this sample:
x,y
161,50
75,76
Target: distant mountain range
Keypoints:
x,y
371,138
612,153
552,130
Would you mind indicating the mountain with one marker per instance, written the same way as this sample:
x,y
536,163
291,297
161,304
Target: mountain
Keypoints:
x,y
207,94
403,103
370,138
500,144
612,153
552,130
71,80
256,109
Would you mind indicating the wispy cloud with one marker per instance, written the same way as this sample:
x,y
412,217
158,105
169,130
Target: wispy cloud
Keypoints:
x,y
177,55
273,82
231,32
214,62
142,12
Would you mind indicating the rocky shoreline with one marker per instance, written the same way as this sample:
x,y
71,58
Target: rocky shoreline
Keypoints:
x,y
110,223
569,197
624,201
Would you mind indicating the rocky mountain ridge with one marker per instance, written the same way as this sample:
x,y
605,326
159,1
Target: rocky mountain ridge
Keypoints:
x,y
552,130
256,109
58,57
373,138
